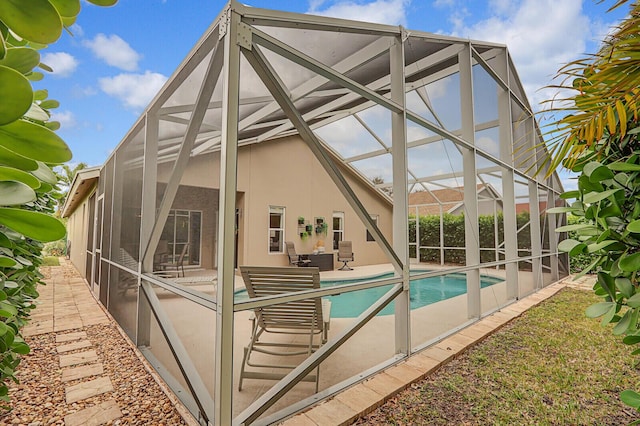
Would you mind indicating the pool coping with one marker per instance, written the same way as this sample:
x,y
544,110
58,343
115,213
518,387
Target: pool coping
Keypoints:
x,y
364,397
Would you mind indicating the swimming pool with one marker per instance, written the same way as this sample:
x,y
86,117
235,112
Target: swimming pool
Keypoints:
x,y
424,291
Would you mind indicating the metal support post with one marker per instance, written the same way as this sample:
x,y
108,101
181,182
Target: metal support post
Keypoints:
x,y
148,216
471,236
400,198
223,373
553,236
508,187
536,243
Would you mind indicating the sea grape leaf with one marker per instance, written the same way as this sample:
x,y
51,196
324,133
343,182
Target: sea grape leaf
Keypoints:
x,y
34,141
634,226
16,87
7,262
45,174
572,247
594,197
21,59
35,225
9,173
624,286
10,158
67,8
33,20
103,2
15,193
630,263
49,104
37,113
599,309
631,398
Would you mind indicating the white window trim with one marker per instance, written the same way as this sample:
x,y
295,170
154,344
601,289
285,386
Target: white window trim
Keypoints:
x,y
340,231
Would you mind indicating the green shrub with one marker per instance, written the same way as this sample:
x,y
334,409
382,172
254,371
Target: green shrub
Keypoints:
x,y
578,262
454,236
30,148
55,248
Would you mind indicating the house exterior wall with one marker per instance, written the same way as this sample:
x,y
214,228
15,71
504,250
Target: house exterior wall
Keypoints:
x,y
77,234
285,173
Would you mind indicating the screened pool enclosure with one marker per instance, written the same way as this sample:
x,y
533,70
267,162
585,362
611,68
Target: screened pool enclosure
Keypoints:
x,y
419,149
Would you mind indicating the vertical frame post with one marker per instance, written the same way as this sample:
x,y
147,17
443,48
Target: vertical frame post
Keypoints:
x,y
553,236
505,132
400,198
471,237
226,222
148,216
536,242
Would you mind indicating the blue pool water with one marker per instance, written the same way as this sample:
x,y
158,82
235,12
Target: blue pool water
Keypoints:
x,y
423,292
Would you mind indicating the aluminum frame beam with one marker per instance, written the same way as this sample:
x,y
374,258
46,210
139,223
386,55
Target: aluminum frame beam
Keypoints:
x,y
400,200
204,95
226,222
276,87
471,237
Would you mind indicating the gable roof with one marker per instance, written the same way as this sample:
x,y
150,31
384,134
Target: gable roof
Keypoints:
x,y
83,183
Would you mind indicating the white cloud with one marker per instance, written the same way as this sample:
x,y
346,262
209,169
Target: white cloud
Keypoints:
x,y
80,92
541,35
62,63
66,118
114,51
77,30
134,90
392,12
503,7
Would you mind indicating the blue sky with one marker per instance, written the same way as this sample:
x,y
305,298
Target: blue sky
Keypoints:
x,y
119,57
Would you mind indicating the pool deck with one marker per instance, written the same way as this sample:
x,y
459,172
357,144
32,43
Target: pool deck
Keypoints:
x,y
355,357
366,396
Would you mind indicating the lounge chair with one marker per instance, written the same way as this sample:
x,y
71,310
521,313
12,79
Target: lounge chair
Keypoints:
x,y
309,317
345,254
178,264
294,258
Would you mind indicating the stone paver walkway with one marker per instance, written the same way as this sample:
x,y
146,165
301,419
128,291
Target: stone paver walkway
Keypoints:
x,y
67,304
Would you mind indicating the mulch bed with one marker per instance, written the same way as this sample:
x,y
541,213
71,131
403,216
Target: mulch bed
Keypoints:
x,y
39,398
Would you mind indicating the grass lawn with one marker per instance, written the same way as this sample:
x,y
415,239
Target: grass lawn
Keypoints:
x,y
552,366
50,261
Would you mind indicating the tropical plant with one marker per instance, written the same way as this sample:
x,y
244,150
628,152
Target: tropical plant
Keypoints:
x,y
29,148
604,94
65,174
598,139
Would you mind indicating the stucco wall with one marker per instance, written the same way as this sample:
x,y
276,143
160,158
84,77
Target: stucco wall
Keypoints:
x,y
285,173
77,233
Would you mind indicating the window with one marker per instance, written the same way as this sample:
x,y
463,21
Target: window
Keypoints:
x,y
182,228
276,229
374,217
338,228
